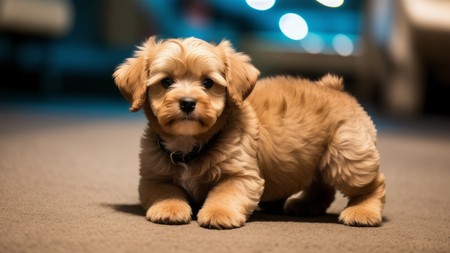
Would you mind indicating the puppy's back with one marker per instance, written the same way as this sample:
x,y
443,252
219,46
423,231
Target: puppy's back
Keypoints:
x,y
290,102
286,97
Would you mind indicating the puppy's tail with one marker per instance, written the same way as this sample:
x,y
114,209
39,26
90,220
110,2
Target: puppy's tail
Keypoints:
x,y
332,81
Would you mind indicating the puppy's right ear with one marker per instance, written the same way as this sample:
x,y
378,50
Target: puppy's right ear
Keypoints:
x,y
130,77
240,74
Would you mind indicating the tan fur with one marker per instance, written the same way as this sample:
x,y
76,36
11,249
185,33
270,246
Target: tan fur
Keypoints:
x,y
264,140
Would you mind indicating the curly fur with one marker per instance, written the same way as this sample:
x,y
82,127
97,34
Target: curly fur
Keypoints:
x,y
277,138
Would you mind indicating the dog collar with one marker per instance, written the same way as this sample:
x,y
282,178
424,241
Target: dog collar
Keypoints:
x,y
178,157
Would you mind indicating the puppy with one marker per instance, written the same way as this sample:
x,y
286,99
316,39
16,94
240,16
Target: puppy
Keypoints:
x,y
219,137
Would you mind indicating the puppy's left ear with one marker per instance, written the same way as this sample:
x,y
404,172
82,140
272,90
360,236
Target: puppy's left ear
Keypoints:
x,y
131,76
241,75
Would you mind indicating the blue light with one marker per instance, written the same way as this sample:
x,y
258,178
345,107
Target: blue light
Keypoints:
x,y
261,5
313,43
331,3
343,45
293,26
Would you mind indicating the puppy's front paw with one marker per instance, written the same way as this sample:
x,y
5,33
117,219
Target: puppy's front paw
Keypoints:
x,y
220,217
170,211
360,216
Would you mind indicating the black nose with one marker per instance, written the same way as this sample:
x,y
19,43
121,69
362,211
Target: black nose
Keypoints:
x,y
187,104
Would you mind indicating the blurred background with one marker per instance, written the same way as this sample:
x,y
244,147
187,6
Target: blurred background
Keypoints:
x,y
394,55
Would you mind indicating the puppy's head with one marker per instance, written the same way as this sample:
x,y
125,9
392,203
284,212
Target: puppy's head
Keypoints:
x,y
187,82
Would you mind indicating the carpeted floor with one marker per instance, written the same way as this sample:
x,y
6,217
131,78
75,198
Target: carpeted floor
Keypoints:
x,y
68,183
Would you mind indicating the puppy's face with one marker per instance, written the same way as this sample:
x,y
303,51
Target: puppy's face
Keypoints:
x,y
187,82
187,87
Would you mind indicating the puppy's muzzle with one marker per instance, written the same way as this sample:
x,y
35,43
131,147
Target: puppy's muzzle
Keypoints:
x,y
187,104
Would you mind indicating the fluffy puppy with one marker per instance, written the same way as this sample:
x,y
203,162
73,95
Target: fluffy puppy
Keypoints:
x,y
218,137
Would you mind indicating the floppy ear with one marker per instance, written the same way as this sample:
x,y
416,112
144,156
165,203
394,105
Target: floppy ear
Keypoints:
x,y
241,75
131,76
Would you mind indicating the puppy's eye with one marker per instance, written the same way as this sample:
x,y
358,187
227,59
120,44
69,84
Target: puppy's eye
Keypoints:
x,y
208,83
167,82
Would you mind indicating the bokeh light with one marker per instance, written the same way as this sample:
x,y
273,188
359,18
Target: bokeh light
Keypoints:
x,y
293,26
331,3
261,5
343,45
313,43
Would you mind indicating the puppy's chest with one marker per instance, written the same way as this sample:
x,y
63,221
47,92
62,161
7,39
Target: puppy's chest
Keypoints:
x,y
196,186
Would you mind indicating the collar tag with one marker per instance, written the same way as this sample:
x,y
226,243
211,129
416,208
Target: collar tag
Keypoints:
x,y
180,158
177,158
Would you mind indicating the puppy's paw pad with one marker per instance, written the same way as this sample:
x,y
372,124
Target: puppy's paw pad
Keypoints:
x,y
170,211
360,216
220,218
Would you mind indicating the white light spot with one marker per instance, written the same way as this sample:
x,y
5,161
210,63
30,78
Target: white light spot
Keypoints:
x,y
293,26
331,3
313,43
343,45
260,5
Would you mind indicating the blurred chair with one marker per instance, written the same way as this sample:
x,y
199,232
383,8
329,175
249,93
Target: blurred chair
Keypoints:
x,y
27,26
412,53
52,18
67,41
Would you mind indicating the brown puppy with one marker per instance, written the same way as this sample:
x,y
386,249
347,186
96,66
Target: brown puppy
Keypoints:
x,y
217,136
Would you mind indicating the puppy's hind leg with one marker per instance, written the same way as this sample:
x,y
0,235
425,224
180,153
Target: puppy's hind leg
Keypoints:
x,y
351,164
365,205
312,201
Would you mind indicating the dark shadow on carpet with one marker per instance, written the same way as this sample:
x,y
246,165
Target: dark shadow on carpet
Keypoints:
x,y
134,209
257,216
262,216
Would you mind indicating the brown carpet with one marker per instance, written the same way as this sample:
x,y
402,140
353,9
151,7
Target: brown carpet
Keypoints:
x,y
68,183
